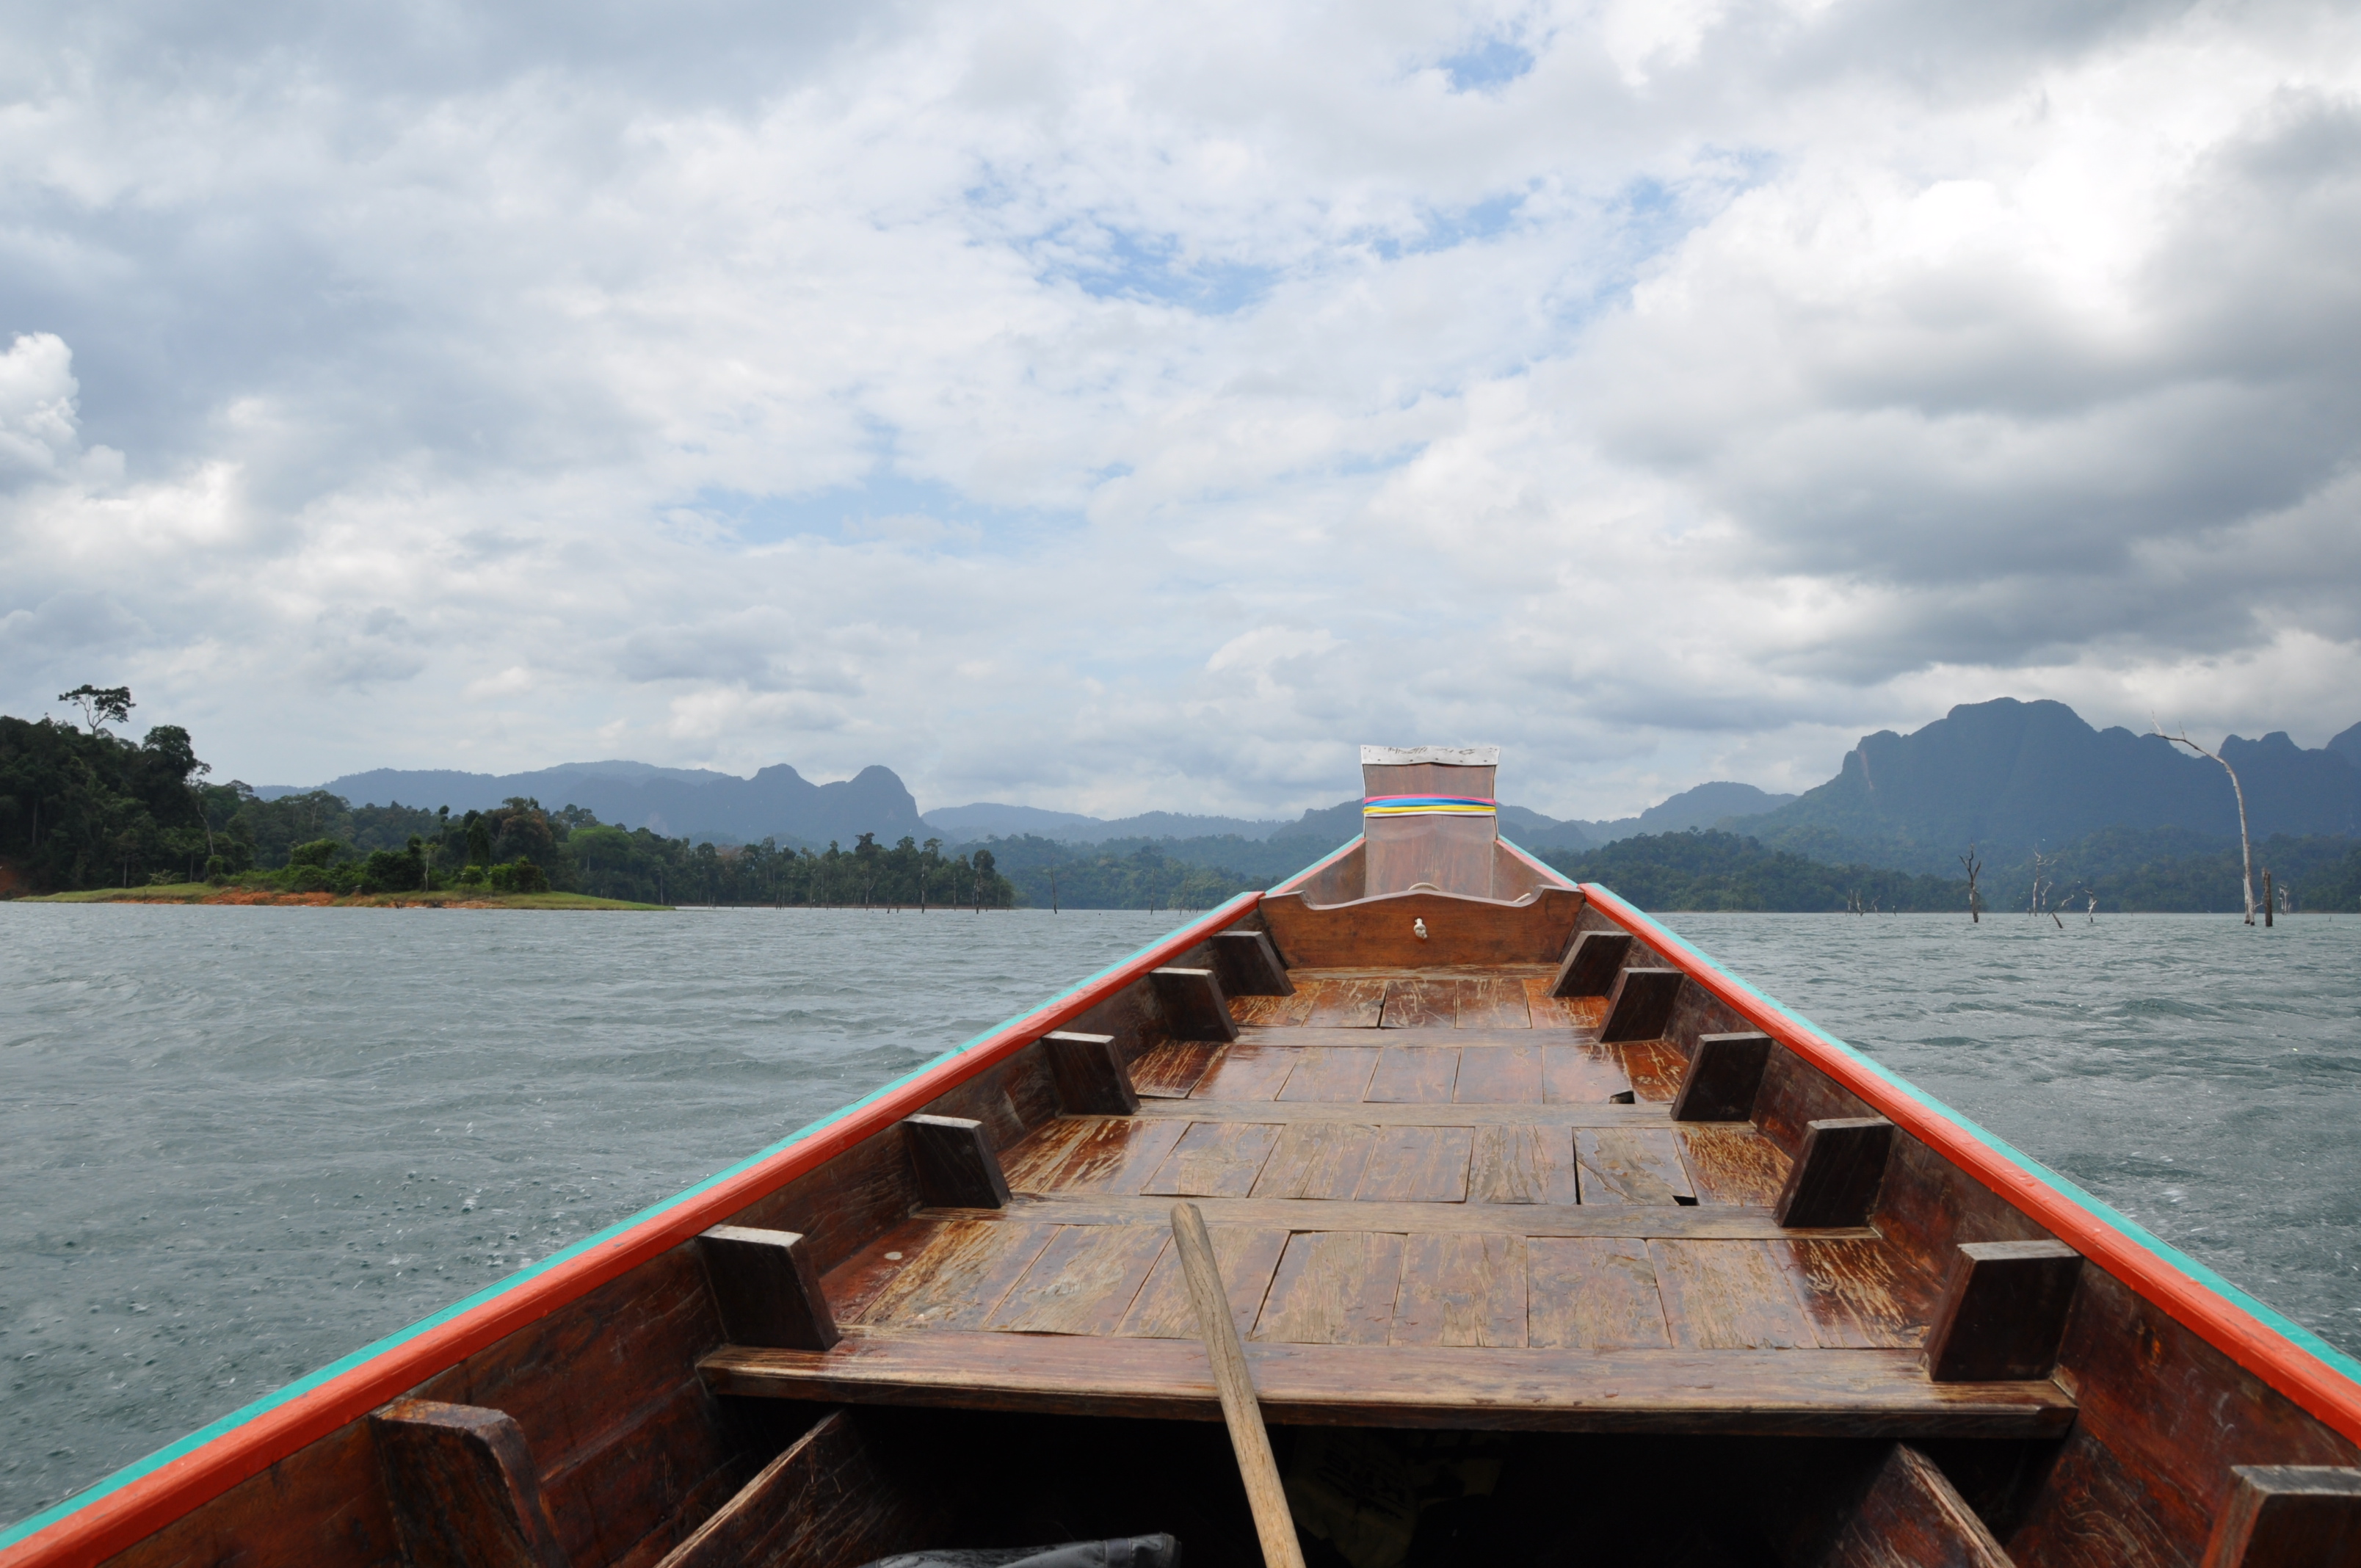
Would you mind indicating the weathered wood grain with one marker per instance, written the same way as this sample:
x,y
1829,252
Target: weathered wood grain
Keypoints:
x,y
326,1502
1732,1163
1396,1114
1420,1005
2283,1516
1591,963
1724,1072
1630,1165
1499,1075
1254,1011
1321,1162
955,1277
1215,1159
1090,1074
1912,1516
1333,1074
1171,1069
1345,1003
1593,1293
1656,1068
1466,1289
1246,1071
1414,1075
1581,1075
1582,1014
1333,1287
1641,1004
1417,1165
766,1288
1091,1154
1522,1165
1083,1282
1523,1219
1248,965
464,1488
1837,1171
1727,1296
827,1502
1858,1294
2003,1312
1191,1002
1494,1003
1803,1393
1247,1257
1379,932
956,1166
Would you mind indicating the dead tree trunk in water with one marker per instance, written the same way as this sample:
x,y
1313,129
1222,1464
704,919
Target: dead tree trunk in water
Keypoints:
x,y
2267,898
2246,844
1975,899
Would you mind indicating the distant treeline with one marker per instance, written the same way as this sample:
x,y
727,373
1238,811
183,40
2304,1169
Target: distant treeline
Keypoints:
x,y
2160,871
87,808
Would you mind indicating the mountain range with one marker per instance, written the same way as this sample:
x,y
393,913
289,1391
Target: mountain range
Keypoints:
x,y
2004,774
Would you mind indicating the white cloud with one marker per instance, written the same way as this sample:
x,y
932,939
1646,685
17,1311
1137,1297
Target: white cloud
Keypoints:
x,y
1128,408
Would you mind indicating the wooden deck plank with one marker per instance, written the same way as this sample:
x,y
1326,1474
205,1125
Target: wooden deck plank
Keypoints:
x,y
1333,1074
1635,1219
1083,1282
1630,1165
1345,1003
1581,1075
1214,1160
1319,1161
1859,1294
1593,1293
1246,1257
1420,1005
1170,1071
956,1274
1732,1162
1522,1165
1654,1069
1494,1003
1727,1296
1333,1287
1414,1075
1246,1071
1252,1011
1803,1393
1464,1289
1584,1013
1409,1115
1499,1075
1091,1154
1417,1165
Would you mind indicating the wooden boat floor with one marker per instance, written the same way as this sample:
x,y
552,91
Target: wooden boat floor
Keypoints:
x,y
1429,1208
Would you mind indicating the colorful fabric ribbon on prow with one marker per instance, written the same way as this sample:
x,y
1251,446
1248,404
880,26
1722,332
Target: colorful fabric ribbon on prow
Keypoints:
x,y
1429,806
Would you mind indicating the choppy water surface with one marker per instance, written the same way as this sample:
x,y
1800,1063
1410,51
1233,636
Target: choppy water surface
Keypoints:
x,y
235,1144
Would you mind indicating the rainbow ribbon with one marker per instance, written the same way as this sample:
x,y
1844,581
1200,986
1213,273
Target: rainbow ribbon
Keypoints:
x,y
1429,806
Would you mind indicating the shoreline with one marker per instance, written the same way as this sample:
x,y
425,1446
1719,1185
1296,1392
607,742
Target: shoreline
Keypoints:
x,y
441,898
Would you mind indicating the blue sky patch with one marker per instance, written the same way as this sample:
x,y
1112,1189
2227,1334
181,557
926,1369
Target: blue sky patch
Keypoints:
x,y
1494,62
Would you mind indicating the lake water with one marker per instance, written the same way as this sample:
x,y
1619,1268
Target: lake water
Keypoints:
x,y
235,1144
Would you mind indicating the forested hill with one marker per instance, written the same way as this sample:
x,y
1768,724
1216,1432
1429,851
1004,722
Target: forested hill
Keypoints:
x,y
2127,871
2013,775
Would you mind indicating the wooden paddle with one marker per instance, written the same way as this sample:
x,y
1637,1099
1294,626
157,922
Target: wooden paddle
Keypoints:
x,y
1247,1438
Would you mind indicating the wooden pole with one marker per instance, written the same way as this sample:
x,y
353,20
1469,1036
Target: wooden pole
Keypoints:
x,y
1256,1467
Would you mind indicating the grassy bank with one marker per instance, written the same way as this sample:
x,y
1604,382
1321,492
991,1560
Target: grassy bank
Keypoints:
x,y
441,898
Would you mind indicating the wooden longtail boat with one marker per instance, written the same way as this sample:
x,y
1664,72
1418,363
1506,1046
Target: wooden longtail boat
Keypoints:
x,y
1548,1240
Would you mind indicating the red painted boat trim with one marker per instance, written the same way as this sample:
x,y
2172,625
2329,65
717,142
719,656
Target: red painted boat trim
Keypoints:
x,y
120,1519
2145,1265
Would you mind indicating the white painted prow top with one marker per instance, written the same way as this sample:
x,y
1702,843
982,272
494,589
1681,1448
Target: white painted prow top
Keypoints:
x,y
1450,756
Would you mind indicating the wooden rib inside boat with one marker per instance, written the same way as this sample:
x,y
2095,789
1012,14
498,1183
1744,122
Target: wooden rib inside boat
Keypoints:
x,y
1545,1238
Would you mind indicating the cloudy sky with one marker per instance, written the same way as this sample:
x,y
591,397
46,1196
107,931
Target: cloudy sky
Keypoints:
x,y
1108,407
